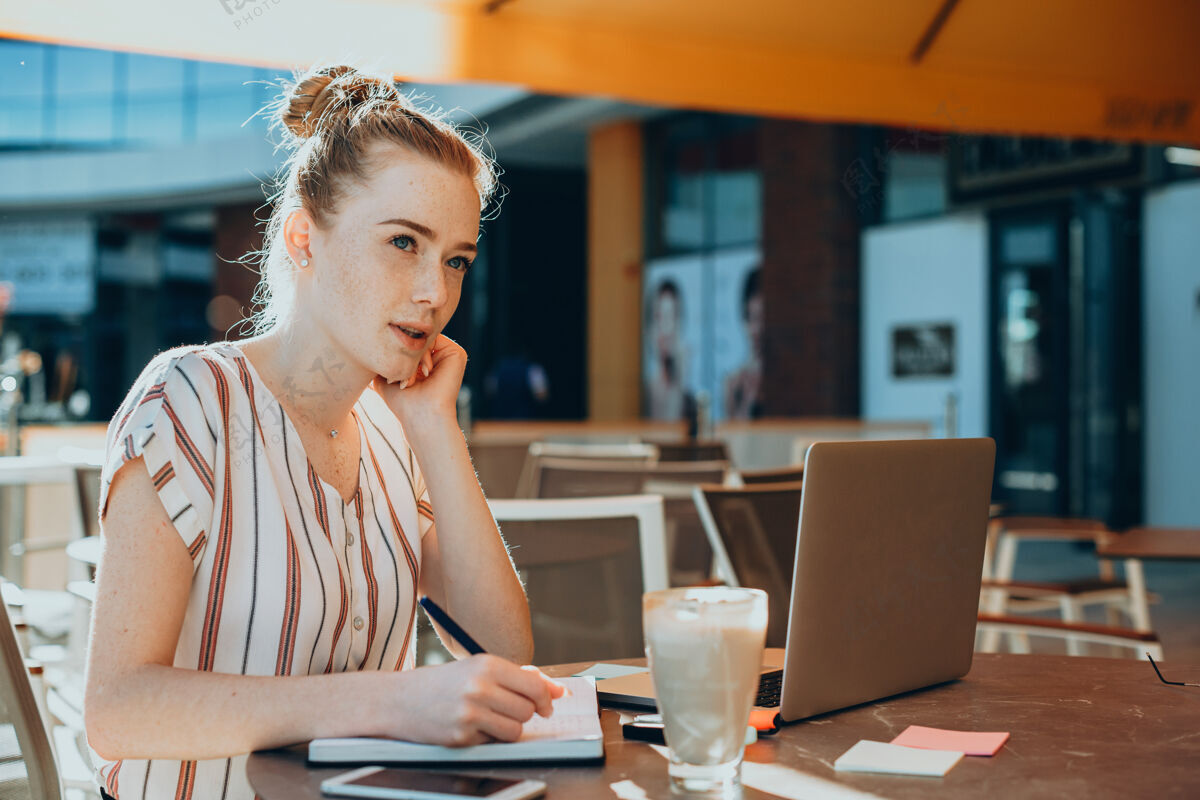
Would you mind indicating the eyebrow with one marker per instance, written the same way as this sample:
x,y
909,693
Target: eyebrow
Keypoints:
x,y
427,232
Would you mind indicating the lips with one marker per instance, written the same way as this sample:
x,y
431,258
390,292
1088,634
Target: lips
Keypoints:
x,y
411,337
415,333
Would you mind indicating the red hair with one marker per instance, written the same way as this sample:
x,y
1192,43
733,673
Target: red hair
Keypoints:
x,y
332,118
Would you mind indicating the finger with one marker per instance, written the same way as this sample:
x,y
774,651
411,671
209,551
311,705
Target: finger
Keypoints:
x,y
498,726
532,685
444,347
510,704
469,736
557,689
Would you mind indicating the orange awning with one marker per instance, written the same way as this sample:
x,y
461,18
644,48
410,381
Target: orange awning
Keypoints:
x,y
1119,69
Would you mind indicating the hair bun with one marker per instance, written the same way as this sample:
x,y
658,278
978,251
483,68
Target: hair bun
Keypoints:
x,y
327,94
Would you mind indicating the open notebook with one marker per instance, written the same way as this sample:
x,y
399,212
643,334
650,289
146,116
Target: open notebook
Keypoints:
x,y
571,733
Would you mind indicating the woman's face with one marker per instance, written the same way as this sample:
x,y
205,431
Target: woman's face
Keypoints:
x,y
755,323
388,266
666,322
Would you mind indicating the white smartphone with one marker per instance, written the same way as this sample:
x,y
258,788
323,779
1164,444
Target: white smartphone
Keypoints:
x,y
406,784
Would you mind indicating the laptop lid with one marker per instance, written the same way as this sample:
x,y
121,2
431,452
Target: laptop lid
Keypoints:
x,y
886,578
889,557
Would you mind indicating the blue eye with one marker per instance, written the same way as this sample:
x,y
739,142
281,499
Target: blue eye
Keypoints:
x,y
460,263
407,242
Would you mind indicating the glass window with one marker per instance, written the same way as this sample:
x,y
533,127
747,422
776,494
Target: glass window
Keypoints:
x,y
84,95
705,210
155,103
77,96
705,184
913,164
266,87
683,201
225,98
22,92
737,188
915,185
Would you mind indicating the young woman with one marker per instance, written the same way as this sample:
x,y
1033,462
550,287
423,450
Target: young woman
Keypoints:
x,y
743,386
666,387
268,506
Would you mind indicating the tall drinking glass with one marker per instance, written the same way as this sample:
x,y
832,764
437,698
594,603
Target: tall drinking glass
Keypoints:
x,y
705,649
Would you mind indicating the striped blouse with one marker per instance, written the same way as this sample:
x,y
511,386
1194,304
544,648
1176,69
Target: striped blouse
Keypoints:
x,y
287,579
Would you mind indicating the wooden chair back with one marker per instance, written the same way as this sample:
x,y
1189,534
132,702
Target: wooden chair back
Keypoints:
x,y
752,531
19,715
87,485
585,563
1002,595
498,466
754,477
692,451
620,454
575,477
690,557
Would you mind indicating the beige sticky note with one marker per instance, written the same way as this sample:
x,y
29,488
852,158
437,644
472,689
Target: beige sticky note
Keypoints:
x,y
868,756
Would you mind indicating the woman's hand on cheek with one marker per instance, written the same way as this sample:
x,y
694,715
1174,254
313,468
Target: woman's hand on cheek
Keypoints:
x,y
432,391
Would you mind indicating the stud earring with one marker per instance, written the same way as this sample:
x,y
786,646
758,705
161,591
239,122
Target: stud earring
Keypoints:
x,y
304,262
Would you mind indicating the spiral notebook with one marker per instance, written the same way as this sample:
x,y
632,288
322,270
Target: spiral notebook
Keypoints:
x,y
571,733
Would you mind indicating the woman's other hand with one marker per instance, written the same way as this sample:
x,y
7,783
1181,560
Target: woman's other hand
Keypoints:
x,y
479,699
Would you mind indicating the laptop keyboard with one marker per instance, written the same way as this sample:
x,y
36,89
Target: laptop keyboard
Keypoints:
x,y
770,684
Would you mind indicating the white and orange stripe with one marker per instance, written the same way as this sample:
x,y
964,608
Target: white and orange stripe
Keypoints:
x,y
288,578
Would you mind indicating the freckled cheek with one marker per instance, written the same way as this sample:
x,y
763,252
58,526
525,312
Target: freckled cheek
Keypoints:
x,y
347,284
453,296
339,289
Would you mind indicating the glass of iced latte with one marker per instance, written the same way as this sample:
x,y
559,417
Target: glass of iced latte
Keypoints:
x,y
705,649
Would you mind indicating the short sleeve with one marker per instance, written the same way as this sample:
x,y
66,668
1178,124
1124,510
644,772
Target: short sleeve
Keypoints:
x,y
164,421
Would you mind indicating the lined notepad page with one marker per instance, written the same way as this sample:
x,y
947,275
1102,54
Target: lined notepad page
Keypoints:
x,y
576,715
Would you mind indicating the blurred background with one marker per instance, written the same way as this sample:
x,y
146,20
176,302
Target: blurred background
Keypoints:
x,y
981,219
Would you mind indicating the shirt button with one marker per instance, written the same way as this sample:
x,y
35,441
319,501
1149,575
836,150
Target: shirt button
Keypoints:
x,y
349,540
358,623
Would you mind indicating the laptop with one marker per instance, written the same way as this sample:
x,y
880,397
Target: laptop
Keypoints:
x,y
885,586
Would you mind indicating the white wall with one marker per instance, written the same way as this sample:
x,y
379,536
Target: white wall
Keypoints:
x,y
918,272
1171,354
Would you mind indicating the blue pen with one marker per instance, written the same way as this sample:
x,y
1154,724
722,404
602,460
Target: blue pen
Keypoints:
x,y
451,627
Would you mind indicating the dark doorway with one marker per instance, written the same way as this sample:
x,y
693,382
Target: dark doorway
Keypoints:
x,y
527,295
1066,357
1030,351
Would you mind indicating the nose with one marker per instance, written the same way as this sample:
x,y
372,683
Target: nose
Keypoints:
x,y
429,285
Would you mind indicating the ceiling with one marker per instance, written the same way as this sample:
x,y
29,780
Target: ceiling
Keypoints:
x,y
1115,69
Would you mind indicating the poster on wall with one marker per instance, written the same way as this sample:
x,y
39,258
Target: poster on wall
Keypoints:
x,y
672,338
737,334
923,350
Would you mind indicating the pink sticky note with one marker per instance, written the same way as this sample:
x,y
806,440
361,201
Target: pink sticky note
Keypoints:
x,y
973,743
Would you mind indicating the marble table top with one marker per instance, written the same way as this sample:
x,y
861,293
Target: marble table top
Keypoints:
x,y
1081,727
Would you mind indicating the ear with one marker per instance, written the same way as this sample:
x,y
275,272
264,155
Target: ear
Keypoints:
x,y
296,230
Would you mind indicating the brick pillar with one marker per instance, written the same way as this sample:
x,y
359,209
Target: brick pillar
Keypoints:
x,y
810,271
